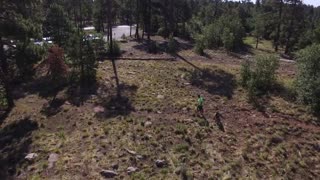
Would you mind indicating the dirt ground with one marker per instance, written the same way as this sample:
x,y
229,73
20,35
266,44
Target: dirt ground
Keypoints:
x,y
154,120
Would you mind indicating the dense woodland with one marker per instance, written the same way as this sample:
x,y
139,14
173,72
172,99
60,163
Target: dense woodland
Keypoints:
x,y
289,24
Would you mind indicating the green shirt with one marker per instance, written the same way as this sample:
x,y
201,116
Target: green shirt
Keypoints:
x,y
200,101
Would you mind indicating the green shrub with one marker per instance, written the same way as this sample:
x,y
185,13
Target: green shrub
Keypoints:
x,y
226,32
172,45
116,51
89,62
212,35
153,47
228,40
124,37
262,78
245,73
200,46
162,32
98,46
28,55
308,78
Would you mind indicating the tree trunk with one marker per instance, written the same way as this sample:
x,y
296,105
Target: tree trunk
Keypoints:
x,y
166,19
171,18
215,9
130,28
290,28
110,23
137,20
276,41
149,19
143,30
4,73
257,42
137,31
80,50
116,77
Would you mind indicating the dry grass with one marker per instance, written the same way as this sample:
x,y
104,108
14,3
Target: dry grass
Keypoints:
x,y
276,143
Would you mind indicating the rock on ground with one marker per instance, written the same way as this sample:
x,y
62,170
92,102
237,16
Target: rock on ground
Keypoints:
x,y
160,163
31,156
53,158
131,170
108,173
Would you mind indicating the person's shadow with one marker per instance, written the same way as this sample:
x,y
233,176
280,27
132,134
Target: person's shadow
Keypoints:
x,y
217,118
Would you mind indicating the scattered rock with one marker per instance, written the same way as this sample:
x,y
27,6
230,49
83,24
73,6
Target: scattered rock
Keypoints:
x,y
177,171
276,140
187,84
31,156
148,124
53,158
131,170
131,152
67,103
139,157
160,163
99,109
188,120
108,173
160,97
159,112
115,166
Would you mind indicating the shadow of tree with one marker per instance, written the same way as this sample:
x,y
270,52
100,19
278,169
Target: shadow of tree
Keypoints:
x,y
184,45
115,105
188,62
154,47
217,82
42,86
261,100
15,140
151,46
77,94
218,121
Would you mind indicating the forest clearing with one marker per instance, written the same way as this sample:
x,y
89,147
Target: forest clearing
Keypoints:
x,y
80,102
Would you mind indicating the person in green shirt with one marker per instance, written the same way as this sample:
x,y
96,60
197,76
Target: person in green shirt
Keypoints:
x,y
200,105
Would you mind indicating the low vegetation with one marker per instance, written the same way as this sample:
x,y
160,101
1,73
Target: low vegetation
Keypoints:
x,y
308,81
260,77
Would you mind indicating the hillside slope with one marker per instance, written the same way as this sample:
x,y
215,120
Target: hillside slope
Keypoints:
x,y
152,132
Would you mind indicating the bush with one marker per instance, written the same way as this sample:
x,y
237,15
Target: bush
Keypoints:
x,y
89,63
172,45
200,46
28,55
98,46
308,78
153,47
56,64
124,37
162,32
226,32
262,78
116,51
245,73
228,40
212,35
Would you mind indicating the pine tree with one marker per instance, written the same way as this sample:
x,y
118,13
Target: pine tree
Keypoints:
x,y
20,21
